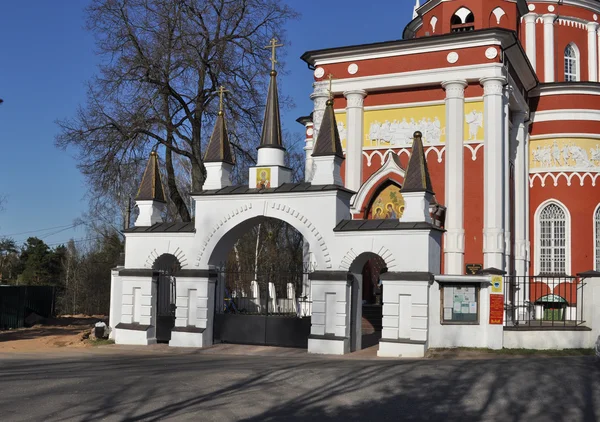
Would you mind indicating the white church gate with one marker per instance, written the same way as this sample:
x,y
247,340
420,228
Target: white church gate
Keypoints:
x,y
267,308
166,267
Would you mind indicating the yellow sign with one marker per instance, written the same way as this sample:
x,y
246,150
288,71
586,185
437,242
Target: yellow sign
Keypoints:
x,y
497,284
263,178
564,154
394,127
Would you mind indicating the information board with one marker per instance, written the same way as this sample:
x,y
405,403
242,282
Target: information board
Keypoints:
x,y
496,309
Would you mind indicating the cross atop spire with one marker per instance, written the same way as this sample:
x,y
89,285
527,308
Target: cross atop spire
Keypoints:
x,y
273,47
330,77
222,91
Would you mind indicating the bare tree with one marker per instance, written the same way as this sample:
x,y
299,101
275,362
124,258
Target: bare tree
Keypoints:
x,y
163,61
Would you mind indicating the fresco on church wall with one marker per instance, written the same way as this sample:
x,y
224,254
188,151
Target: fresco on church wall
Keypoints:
x,y
564,154
394,127
389,204
263,178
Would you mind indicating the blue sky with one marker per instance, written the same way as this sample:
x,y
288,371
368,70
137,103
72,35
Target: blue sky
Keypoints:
x,y
46,57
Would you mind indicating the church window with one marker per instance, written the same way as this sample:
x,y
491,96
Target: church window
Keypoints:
x,y
388,203
597,233
571,64
552,239
462,20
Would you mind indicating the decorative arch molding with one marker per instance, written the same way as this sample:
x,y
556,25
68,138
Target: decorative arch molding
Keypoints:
x,y
369,155
391,169
275,210
498,13
555,178
155,254
383,252
474,148
537,229
463,13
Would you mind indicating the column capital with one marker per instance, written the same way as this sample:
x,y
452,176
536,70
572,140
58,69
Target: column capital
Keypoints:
x,y
530,17
493,85
592,26
549,18
320,91
355,98
455,88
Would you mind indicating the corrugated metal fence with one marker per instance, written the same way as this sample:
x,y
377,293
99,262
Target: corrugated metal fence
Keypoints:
x,y
17,302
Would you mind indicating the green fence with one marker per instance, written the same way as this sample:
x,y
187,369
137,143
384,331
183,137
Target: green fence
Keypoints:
x,y
18,302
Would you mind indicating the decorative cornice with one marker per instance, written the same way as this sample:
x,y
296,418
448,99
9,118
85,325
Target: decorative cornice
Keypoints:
x,y
455,89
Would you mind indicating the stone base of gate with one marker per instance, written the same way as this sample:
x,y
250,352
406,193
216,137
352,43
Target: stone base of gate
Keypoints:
x,y
401,348
189,337
135,334
328,345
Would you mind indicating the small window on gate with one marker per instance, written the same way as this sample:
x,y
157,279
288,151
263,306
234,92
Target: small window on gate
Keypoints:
x,y
460,304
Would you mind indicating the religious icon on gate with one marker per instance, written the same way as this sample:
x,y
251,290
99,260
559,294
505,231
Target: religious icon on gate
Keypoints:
x,y
387,205
263,178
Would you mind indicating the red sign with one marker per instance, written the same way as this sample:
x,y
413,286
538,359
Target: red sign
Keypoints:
x,y
496,309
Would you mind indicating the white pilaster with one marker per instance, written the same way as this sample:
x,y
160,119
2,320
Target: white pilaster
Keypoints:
x,y
354,138
308,149
454,238
493,173
592,28
319,97
530,41
149,213
327,170
521,187
218,175
549,47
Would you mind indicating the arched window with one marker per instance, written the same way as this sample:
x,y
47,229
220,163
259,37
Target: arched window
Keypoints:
x,y
462,20
597,233
388,203
552,239
571,64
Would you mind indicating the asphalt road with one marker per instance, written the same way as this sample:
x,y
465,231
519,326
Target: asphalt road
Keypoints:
x,y
117,385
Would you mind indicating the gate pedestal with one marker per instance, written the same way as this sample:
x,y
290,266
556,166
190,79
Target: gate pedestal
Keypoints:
x,y
194,315
330,329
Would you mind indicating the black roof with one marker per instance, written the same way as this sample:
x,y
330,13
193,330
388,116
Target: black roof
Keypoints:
x,y
417,174
219,149
151,188
271,133
164,228
328,140
286,187
391,224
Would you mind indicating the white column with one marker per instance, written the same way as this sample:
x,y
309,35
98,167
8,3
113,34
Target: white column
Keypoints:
x,y
549,47
354,138
530,41
454,238
308,149
592,28
521,186
507,160
493,173
319,97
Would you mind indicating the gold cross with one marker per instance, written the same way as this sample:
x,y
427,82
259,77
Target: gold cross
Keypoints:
x,y
221,92
272,46
330,77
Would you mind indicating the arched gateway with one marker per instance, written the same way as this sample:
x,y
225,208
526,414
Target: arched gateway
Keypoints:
x,y
320,210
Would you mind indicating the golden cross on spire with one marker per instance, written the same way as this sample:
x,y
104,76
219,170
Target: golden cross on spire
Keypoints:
x,y
221,92
330,77
273,46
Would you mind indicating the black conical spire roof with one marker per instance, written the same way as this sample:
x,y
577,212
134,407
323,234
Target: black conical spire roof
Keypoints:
x,y
417,174
151,188
271,133
328,140
219,148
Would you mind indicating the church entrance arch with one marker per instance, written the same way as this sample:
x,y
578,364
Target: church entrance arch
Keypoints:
x,y
166,266
367,305
262,296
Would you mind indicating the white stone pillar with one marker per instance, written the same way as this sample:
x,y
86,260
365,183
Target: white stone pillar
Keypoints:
x,y
521,186
592,28
549,47
308,149
319,96
454,238
530,41
354,138
493,173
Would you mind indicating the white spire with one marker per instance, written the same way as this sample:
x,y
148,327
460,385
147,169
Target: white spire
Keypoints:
x,y
417,5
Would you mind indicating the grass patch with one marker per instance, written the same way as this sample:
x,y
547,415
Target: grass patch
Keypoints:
x,y
473,351
100,342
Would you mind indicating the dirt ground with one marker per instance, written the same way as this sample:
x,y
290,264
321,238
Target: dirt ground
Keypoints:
x,y
64,331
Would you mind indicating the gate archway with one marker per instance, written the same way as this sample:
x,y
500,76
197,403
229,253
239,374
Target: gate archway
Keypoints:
x,y
166,267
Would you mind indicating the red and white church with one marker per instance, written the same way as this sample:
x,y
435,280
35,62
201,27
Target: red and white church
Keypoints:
x,y
507,97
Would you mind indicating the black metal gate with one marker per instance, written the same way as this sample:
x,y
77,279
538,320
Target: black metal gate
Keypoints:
x,y
262,309
166,266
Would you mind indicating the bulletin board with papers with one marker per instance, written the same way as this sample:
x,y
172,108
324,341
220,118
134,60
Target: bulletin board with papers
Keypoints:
x,y
460,304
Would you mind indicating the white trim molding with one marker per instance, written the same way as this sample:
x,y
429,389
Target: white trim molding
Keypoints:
x,y
565,114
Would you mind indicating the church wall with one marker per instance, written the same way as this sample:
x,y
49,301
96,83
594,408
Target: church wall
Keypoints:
x,y
473,220
562,37
566,101
560,126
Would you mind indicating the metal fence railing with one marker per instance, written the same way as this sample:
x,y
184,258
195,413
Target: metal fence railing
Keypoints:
x,y
543,301
18,302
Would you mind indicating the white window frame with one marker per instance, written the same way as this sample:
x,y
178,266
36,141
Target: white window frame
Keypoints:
x,y
537,235
596,223
577,73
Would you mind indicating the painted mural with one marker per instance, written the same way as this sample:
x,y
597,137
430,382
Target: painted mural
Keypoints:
x,y
394,127
564,154
263,178
389,204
